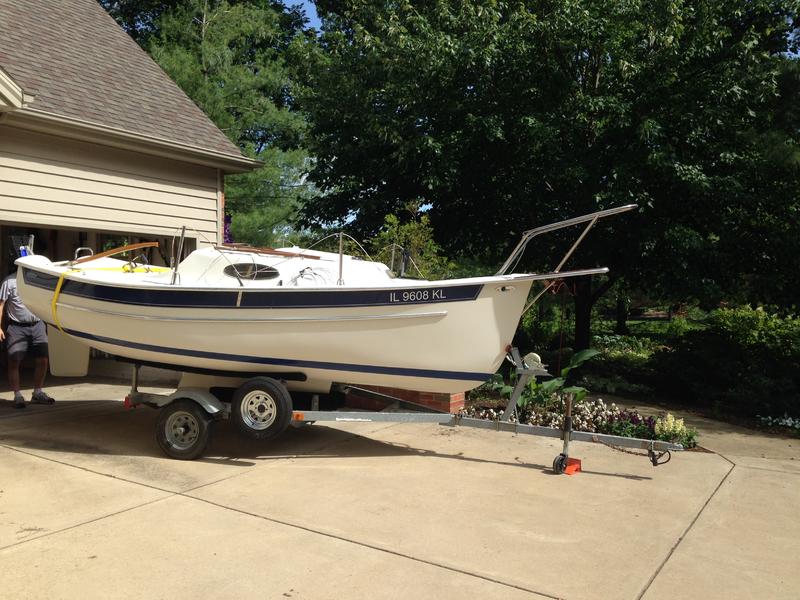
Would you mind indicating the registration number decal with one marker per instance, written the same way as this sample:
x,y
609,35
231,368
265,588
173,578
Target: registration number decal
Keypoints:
x,y
434,295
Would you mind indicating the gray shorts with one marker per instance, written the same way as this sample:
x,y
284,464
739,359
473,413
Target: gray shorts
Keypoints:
x,y
22,338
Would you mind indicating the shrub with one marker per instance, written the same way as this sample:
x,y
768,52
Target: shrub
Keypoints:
x,y
624,344
746,362
623,367
614,384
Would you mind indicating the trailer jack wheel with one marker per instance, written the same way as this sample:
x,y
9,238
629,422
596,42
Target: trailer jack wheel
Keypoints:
x,y
559,464
183,429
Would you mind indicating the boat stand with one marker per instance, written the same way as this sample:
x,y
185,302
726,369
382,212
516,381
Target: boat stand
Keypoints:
x,y
262,409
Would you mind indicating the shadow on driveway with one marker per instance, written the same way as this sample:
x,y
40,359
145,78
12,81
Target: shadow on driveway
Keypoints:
x,y
105,428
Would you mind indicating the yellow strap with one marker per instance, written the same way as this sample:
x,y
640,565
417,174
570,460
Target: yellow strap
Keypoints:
x,y
124,268
54,303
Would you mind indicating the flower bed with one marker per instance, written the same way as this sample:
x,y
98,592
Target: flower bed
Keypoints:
x,y
595,416
781,423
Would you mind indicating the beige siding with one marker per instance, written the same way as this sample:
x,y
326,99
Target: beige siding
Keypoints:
x,y
56,182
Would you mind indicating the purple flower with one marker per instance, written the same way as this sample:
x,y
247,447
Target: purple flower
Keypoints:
x,y
227,237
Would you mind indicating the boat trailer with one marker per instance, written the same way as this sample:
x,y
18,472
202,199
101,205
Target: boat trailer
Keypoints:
x,y
262,408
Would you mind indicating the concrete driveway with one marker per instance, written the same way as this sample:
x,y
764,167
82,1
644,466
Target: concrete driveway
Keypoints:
x,y
89,508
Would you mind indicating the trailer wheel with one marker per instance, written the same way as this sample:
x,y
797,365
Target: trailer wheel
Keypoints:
x,y
183,429
261,408
559,464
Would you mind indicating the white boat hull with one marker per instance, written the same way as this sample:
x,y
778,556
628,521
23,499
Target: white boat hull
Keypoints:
x,y
445,336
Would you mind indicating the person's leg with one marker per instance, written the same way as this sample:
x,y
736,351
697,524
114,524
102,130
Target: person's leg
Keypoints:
x,y
39,373
13,372
40,350
16,346
14,361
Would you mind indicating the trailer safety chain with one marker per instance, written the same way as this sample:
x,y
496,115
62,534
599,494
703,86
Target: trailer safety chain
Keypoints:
x,y
655,457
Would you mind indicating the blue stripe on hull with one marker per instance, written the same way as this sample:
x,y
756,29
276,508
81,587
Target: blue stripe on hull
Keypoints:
x,y
277,298
286,362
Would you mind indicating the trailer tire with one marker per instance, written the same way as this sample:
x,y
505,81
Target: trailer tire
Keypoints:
x,y
261,408
183,429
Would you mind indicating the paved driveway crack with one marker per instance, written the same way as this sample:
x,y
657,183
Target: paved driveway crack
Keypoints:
x,y
688,528
375,547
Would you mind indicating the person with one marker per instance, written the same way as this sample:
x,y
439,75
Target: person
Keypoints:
x,y
25,333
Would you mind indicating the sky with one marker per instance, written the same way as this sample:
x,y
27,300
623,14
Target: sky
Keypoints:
x,y
311,13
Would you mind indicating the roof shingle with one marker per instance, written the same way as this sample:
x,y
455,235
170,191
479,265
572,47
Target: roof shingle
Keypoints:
x,y
80,64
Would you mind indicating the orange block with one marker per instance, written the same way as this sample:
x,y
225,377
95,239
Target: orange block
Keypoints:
x,y
573,466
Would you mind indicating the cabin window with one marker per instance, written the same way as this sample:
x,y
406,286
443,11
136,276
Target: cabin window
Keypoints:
x,y
251,271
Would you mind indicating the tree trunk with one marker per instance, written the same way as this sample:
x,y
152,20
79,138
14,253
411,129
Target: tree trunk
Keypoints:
x,y
622,316
583,313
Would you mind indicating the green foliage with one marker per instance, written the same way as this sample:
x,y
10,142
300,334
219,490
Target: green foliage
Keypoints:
x,y
235,60
627,427
414,238
540,327
629,423
614,384
498,385
137,17
546,392
624,344
746,362
663,331
502,115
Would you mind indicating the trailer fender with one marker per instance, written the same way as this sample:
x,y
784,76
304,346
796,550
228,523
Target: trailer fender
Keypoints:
x,y
207,401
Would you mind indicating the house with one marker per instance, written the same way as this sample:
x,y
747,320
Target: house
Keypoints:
x,y
98,146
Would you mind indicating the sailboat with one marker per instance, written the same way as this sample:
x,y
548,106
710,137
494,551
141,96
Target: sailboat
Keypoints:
x,y
307,317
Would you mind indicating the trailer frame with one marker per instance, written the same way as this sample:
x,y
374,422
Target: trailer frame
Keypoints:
x,y
183,432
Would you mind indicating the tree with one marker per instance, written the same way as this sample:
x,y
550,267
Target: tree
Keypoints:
x,y
410,243
234,60
138,17
503,115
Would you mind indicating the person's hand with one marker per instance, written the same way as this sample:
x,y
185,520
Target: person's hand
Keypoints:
x,y
2,335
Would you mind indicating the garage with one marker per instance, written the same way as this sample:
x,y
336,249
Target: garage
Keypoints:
x,y
98,146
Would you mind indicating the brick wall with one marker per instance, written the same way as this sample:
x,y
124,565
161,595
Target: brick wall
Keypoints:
x,y
449,403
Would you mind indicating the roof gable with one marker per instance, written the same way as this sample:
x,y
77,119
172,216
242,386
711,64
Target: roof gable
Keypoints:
x,y
12,96
80,65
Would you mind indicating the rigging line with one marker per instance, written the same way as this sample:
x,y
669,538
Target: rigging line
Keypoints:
x,y
333,235
416,267
221,253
